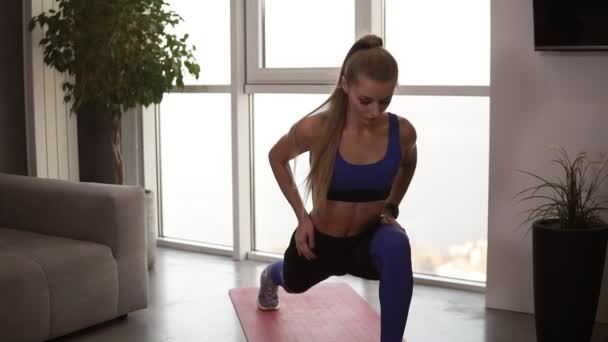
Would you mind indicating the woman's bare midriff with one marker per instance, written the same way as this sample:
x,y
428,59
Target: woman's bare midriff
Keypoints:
x,y
341,219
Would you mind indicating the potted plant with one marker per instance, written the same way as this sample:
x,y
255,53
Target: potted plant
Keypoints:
x,y
118,54
568,247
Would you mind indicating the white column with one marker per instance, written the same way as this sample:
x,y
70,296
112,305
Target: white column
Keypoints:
x,y
369,17
241,157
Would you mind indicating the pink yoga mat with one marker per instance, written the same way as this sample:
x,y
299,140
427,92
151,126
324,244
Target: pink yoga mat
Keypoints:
x,y
328,312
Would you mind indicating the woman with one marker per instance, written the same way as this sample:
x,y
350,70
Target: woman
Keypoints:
x,y
362,162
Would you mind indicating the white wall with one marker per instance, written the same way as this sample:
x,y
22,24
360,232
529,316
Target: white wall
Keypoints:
x,y
51,129
537,99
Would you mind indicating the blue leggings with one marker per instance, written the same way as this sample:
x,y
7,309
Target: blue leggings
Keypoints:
x,y
383,253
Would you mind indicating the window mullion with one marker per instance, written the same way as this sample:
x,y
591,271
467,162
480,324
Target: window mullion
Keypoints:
x,y
241,157
369,17
254,35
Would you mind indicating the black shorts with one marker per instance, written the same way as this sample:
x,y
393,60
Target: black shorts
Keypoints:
x,y
335,256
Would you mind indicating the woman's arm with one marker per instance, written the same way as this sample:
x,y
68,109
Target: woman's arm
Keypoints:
x,y
408,162
297,141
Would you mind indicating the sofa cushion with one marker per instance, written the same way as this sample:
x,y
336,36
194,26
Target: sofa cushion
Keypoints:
x,y
81,278
24,294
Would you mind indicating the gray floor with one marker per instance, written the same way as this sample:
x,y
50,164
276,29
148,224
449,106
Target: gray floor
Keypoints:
x,y
189,302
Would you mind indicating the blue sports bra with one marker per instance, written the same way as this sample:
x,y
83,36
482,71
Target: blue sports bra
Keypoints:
x,y
367,182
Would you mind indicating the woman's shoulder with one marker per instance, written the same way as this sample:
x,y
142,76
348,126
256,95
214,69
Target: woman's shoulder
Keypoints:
x,y
315,120
307,129
311,124
407,132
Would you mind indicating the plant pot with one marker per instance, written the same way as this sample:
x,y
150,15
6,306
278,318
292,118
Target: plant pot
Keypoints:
x,y
568,267
96,161
152,228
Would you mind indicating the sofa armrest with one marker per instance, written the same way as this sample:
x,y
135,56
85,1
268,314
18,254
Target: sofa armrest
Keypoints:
x,y
113,215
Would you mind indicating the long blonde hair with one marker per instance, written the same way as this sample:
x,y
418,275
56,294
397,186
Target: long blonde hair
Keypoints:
x,y
366,57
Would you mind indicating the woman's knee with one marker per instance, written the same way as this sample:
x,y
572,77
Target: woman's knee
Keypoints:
x,y
391,241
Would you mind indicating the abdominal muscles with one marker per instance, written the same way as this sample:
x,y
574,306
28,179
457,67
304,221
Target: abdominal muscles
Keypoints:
x,y
342,219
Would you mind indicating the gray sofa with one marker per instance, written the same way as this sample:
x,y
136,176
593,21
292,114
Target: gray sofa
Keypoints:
x,y
71,255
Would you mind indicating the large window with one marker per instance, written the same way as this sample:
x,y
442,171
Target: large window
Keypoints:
x,y
196,160
195,134
445,208
285,64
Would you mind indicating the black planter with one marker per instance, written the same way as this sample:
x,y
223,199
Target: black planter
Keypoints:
x,y
568,267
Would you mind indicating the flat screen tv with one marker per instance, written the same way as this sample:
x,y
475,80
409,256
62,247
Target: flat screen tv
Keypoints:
x,y
570,24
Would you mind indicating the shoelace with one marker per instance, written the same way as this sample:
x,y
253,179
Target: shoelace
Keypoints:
x,y
268,288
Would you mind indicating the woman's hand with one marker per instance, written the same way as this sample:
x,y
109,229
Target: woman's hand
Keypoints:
x,y
305,238
386,217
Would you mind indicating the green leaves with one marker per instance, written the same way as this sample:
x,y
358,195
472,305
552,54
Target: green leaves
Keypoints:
x,y
118,51
573,198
